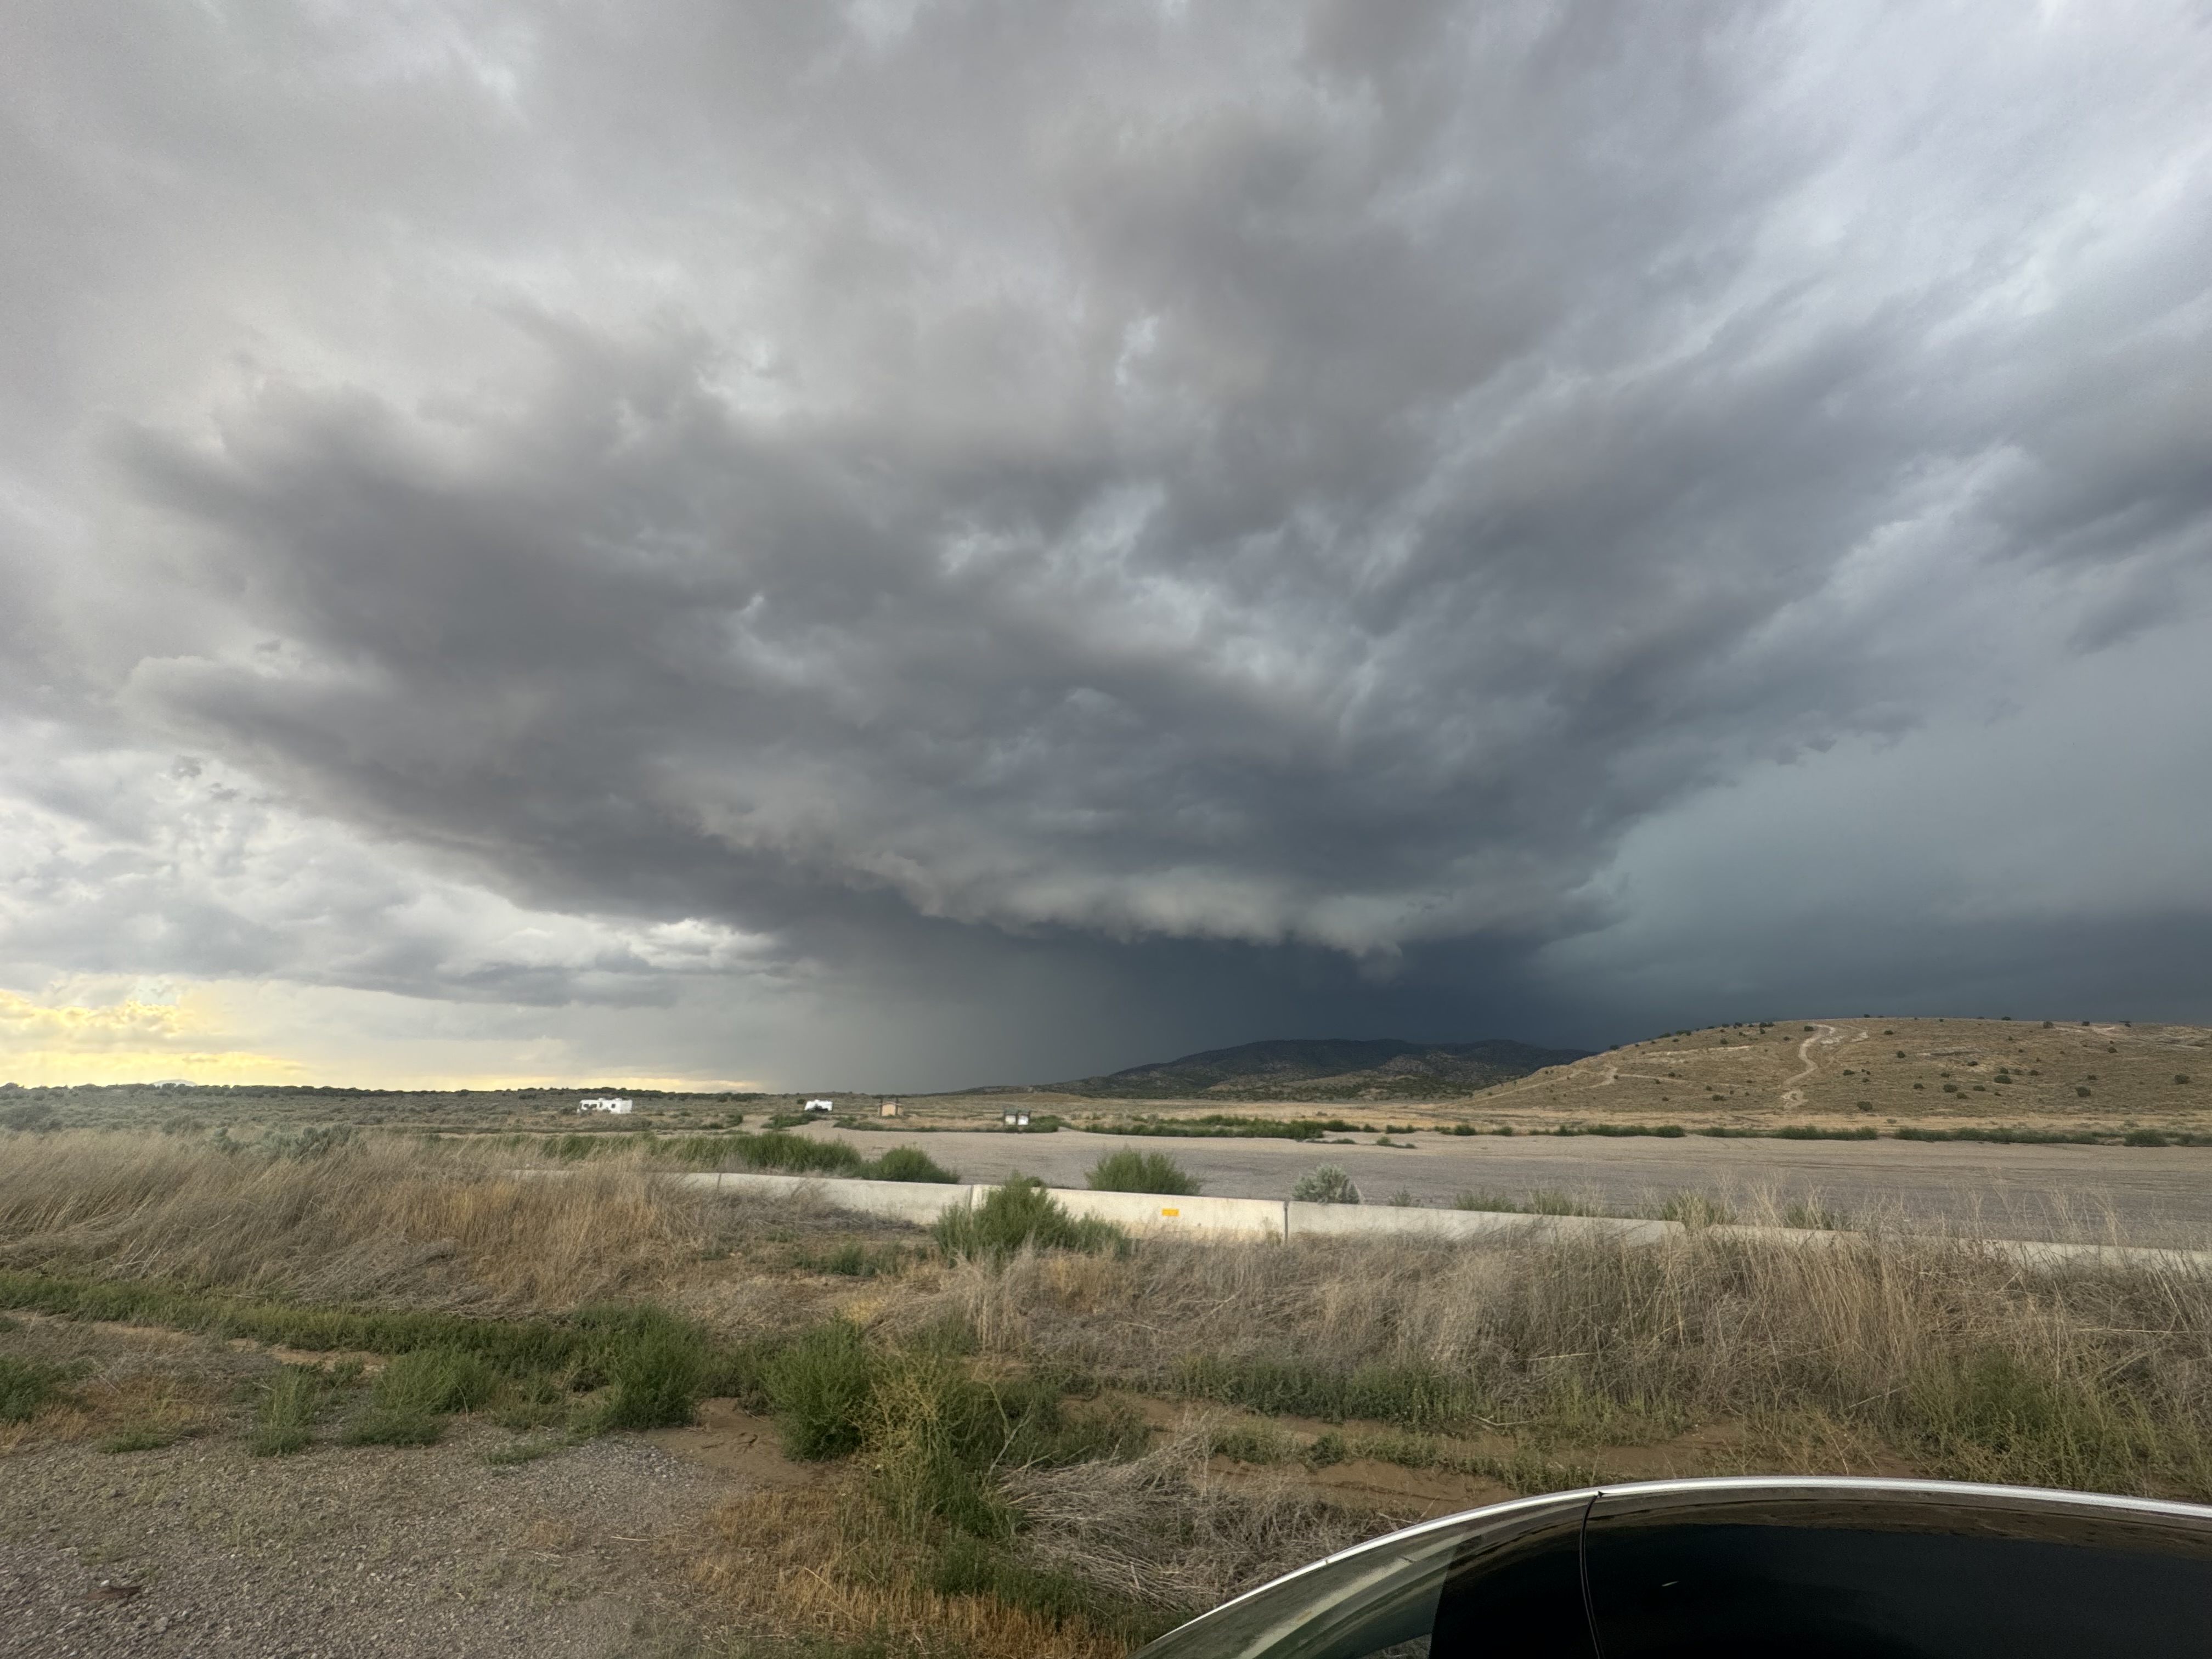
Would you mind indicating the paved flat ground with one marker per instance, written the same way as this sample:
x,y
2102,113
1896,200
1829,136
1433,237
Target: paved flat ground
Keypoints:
x,y
2146,1195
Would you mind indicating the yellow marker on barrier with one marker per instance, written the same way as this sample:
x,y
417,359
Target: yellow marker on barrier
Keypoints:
x,y
1170,1212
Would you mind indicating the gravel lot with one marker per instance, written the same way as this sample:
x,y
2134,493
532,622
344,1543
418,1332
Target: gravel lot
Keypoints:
x,y
200,1548
2153,1195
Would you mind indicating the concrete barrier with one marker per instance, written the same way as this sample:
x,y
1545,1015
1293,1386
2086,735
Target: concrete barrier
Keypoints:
x,y
1188,1216
1169,1215
1358,1220
917,1201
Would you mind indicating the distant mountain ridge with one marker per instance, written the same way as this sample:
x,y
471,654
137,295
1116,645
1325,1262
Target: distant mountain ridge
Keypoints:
x,y
1327,1068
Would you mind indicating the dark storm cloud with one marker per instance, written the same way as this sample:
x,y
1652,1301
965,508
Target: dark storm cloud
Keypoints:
x,y
1311,479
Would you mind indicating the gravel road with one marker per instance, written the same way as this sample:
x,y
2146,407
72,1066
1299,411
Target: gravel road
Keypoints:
x,y
2150,1195
367,1554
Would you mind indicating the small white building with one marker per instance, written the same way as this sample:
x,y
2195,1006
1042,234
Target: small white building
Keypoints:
x,y
604,1103
889,1109
821,1105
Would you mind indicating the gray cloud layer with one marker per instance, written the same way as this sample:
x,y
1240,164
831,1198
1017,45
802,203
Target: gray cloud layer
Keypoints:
x,y
1115,483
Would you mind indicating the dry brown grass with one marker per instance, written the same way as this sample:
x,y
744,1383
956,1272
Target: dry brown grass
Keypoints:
x,y
144,1410
827,1561
1879,1351
1166,1529
2095,1377
441,1224
821,1562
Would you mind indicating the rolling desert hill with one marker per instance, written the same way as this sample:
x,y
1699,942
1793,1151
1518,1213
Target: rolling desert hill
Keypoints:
x,y
2108,1076
1325,1069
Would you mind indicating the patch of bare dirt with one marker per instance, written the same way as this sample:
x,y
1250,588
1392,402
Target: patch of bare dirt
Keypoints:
x,y
737,1445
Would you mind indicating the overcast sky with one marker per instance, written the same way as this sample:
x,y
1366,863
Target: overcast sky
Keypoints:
x,y
916,545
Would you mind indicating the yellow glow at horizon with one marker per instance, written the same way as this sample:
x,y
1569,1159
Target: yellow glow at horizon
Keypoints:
x,y
54,1045
126,1042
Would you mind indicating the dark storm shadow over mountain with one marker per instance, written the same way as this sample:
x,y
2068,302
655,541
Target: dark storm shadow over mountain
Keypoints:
x,y
1288,1061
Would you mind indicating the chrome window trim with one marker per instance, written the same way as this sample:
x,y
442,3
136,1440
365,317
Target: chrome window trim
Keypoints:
x,y
1810,1486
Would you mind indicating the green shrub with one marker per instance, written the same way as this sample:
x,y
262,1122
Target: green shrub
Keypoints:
x,y
1216,1126
909,1164
817,1386
318,1140
1987,1415
658,1363
25,1387
1251,1443
852,1260
968,1565
936,1436
794,1154
2004,1135
285,1420
430,1381
1326,1184
1021,1212
933,1433
1413,1396
145,1436
1128,1172
537,1402
386,1428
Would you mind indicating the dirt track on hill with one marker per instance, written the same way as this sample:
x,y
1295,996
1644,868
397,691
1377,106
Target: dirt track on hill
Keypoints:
x,y
2147,1195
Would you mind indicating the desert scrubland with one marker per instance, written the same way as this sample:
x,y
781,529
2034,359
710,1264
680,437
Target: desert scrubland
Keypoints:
x,y
423,1379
